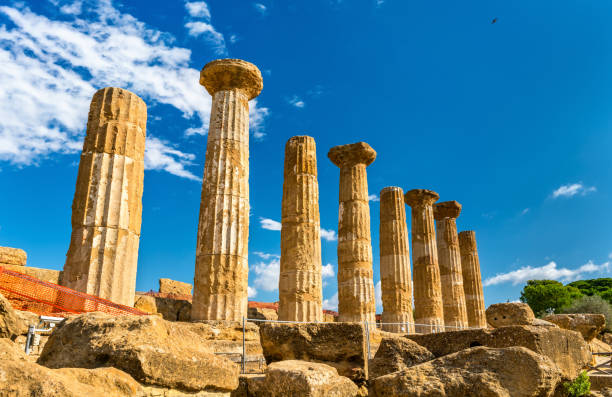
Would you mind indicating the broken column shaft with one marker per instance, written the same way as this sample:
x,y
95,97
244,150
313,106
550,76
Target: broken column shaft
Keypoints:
x,y
221,274
107,205
472,282
396,281
356,302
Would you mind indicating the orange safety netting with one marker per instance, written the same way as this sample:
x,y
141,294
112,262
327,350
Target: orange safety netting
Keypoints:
x,y
31,294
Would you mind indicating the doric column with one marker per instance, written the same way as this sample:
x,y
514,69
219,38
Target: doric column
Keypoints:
x,y
396,281
449,258
356,300
221,273
300,294
472,282
426,273
107,205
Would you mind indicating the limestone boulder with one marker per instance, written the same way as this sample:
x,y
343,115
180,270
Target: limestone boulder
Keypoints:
x,y
341,345
171,309
589,325
152,350
606,338
168,286
395,354
12,256
10,324
479,371
567,349
262,313
506,314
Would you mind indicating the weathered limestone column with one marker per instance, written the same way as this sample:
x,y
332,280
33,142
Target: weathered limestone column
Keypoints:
x,y
472,282
449,257
427,289
107,205
221,273
396,281
356,302
300,286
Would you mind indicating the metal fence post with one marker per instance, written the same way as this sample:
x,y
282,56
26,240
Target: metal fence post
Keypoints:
x,y
243,346
367,330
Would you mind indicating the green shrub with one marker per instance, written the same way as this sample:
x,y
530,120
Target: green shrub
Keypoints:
x,y
592,304
581,386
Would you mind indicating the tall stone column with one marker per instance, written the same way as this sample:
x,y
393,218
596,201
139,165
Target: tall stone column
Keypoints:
x,y
356,302
472,282
396,281
221,273
107,205
449,257
300,293
427,289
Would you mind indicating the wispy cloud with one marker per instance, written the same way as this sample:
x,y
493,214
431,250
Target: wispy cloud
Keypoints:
x,y
378,296
161,155
546,272
525,211
269,224
331,303
265,256
327,271
199,25
296,101
328,235
252,292
373,197
573,189
266,275
198,9
260,8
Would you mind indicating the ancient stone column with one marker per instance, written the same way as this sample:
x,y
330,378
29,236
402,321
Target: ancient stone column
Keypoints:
x,y
449,258
107,205
396,281
221,273
426,273
356,300
472,282
300,293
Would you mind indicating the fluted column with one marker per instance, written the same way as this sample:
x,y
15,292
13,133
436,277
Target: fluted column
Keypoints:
x,y
396,281
449,258
221,273
300,293
356,300
107,205
427,289
472,282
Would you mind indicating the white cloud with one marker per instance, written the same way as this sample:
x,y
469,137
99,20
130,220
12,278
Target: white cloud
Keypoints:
x,y
546,272
378,296
328,235
269,224
161,155
266,275
525,211
252,292
198,9
297,102
74,8
331,303
51,69
327,271
373,197
205,29
573,189
233,38
265,256
262,9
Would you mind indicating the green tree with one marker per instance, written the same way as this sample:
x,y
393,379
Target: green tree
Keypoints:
x,y
592,304
597,286
544,295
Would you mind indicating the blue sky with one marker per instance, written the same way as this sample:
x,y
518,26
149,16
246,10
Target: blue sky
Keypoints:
x,y
511,119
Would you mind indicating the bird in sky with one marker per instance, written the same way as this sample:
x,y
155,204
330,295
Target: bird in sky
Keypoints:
x,y
493,21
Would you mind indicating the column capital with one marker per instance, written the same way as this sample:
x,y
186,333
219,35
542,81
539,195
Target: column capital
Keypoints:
x,y
447,209
229,74
390,189
417,197
351,154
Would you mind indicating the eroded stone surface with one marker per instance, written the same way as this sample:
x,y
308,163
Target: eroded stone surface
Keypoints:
x,y
168,286
428,310
589,325
396,354
395,277
12,256
107,205
511,313
221,274
355,274
449,258
10,323
472,282
300,293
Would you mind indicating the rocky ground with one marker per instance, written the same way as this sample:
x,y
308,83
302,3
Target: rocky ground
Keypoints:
x,y
99,355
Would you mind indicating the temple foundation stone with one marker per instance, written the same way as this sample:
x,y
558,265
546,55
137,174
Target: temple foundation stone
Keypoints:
x,y
472,282
428,310
396,281
300,293
449,258
107,205
221,273
356,302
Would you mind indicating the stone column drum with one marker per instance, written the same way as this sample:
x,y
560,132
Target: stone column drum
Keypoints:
x,y
107,205
300,291
221,272
449,258
396,281
356,302
427,289
472,282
